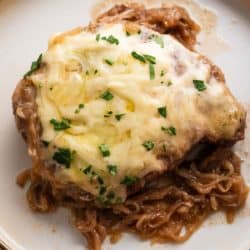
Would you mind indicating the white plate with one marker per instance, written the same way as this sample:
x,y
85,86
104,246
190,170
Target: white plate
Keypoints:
x,y
25,27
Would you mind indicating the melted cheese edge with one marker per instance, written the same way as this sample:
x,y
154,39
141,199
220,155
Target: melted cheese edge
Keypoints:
x,y
70,78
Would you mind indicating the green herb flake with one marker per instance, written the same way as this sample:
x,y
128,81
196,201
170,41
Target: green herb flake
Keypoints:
x,y
34,66
112,169
150,59
97,38
60,125
102,190
107,95
127,33
163,111
118,117
170,130
138,57
111,39
87,169
151,71
109,62
104,150
100,180
105,198
80,106
199,85
159,40
96,71
148,145
64,156
162,73
108,114
169,83
129,180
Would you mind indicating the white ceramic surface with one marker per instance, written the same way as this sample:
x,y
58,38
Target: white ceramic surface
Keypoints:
x,y
25,26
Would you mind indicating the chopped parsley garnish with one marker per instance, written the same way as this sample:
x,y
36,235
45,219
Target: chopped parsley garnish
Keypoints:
x,y
87,72
148,145
127,33
146,58
104,150
93,176
163,111
151,71
34,66
170,130
87,170
159,40
64,156
138,57
170,83
45,143
97,38
109,62
100,180
60,125
162,73
199,85
111,39
102,190
118,117
107,95
108,114
96,71
112,169
106,199
150,59
129,180
80,106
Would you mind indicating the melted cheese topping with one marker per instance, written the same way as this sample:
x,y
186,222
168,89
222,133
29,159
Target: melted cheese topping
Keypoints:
x,y
79,68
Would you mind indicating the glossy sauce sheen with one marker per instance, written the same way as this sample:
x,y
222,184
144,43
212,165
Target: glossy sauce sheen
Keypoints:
x,y
76,72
